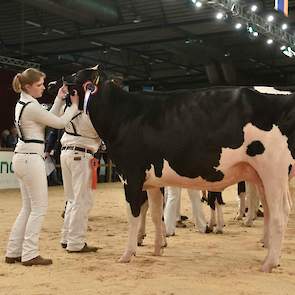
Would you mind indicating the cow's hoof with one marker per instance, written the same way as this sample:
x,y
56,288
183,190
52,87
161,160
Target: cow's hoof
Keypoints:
x,y
239,216
208,230
248,223
219,231
266,267
126,257
158,251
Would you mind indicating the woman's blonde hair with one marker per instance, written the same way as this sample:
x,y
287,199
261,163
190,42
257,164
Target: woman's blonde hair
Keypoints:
x,y
28,76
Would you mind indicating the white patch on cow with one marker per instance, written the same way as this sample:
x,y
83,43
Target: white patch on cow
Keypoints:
x,y
271,90
86,98
124,181
95,68
273,141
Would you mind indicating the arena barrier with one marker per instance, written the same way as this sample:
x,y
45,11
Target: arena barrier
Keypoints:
x,y
7,178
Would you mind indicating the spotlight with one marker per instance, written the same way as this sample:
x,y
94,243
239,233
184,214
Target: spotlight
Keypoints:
x,y
238,26
254,8
269,41
220,15
284,27
270,18
198,4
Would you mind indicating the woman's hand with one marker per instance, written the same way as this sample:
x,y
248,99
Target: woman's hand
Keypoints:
x,y
75,98
62,92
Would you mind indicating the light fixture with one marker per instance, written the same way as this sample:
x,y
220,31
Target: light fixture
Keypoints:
x,y
96,43
283,47
270,18
254,8
219,15
115,48
58,31
238,26
28,22
284,27
269,41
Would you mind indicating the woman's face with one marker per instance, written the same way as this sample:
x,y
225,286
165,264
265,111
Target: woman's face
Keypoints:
x,y
36,89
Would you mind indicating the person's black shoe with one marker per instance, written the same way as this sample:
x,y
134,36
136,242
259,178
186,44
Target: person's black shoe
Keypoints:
x,y
183,217
85,249
63,245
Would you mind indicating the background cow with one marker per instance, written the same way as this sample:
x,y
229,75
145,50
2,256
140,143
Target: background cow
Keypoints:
x,y
205,139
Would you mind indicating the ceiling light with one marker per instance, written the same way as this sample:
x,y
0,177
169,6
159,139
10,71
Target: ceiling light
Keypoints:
x,y
284,27
283,47
238,26
270,18
269,41
58,31
198,4
219,15
254,8
115,48
28,22
96,43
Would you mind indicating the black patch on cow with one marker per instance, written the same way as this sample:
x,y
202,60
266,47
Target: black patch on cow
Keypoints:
x,y
158,165
289,169
241,187
255,148
214,196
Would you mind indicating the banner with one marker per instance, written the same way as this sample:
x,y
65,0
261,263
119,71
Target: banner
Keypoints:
x,y
7,178
282,6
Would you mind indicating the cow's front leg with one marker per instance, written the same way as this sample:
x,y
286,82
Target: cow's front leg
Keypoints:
x,y
156,206
135,199
130,250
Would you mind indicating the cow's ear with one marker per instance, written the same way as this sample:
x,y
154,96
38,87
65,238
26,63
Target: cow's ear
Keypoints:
x,y
95,68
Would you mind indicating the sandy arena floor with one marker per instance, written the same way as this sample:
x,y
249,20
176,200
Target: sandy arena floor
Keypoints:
x,y
192,264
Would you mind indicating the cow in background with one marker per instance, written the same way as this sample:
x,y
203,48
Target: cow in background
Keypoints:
x,y
205,139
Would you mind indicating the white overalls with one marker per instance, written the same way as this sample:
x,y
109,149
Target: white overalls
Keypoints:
x,y
79,142
172,209
29,168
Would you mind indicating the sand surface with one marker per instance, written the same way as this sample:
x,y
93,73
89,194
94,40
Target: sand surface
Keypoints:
x,y
192,264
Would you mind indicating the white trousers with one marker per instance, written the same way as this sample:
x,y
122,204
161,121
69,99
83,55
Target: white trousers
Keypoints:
x,y
172,208
24,237
76,173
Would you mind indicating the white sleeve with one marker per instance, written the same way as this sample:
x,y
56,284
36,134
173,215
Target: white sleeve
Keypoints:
x,y
40,115
57,107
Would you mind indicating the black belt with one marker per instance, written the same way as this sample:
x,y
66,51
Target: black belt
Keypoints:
x,y
77,148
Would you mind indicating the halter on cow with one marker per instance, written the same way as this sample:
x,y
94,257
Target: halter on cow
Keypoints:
x,y
205,139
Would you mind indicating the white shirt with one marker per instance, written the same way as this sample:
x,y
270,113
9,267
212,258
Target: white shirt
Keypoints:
x,y
35,118
88,138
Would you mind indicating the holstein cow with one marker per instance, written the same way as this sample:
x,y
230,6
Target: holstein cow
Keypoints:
x,y
206,139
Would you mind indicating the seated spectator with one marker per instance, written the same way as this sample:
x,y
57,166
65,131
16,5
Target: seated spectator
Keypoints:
x,y
3,139
12,138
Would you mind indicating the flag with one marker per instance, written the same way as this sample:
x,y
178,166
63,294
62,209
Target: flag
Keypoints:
x,y
282,6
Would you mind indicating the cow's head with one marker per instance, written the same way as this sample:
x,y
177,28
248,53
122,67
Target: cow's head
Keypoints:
x,y
88,79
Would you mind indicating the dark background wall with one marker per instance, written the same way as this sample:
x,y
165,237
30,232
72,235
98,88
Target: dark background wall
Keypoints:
x,y
8,99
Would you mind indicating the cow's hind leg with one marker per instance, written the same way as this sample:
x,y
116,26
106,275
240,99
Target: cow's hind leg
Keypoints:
x,y
156,206
142,223
276,194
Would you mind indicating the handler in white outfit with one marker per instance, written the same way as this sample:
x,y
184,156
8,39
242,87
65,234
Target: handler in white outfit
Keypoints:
x,y
79,143
172,208
28,163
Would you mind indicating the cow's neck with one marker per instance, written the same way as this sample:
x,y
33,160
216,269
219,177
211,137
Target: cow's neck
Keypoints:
x,y
110,109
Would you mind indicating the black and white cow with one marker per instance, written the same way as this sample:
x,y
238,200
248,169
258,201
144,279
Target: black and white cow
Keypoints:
x,y
206,139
